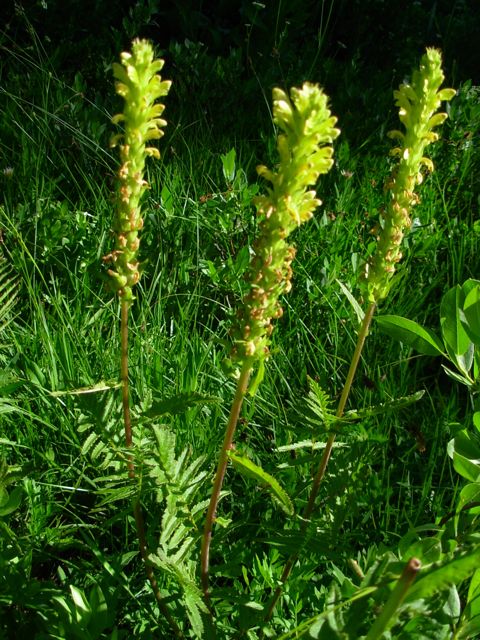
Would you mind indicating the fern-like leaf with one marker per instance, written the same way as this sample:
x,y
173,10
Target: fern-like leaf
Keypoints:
x,y
178,482
319,405
100,423
192,596
9,283
179,404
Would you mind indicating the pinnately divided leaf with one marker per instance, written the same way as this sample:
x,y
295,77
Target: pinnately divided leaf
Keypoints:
x,y
8,292
179,404
179,481
192,596
383,407
251,470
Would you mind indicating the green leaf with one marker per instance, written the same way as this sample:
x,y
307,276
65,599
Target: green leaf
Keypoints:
x,y
452,608
252,390
476,420
100,616
12,502
305,626
379,409
454,335
94,388
411,333
470,312
179,404
8,293
466,456
467,381
436,578
228,165
470,628
427,550
317,410
470,493
83,611
167,200
308,444
356,307
92,439
473,599
250,470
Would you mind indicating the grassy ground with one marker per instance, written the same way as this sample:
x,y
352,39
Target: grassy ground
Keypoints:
x,y
60,333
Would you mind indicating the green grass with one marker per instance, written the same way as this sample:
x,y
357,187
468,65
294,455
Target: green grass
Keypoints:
x,y
60,333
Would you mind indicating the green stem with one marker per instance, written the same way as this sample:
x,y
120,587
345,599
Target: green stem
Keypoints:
x,y
340,409
137,507
395,600
322,466
241,390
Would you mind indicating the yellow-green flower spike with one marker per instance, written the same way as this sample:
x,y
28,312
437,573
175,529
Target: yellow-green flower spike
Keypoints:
x,y
140,85
304,146
418,104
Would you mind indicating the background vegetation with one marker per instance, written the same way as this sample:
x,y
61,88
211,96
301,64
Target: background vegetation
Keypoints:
x,y
64,538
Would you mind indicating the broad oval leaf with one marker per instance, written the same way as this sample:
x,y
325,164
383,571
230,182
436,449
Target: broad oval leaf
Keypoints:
x,y
476,420
251,470
466,456
411,333
454,335
427,550
470,315
83,610
452,607
12,501
470,495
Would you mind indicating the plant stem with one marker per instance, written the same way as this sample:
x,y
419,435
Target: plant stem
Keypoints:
x,y
241,390
322,466
340,409
395,600
127,421
137,507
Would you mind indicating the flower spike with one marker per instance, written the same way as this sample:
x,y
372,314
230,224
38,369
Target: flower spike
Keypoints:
x,y
307,130
140,85
418,103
